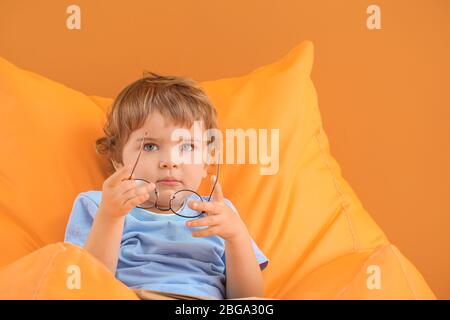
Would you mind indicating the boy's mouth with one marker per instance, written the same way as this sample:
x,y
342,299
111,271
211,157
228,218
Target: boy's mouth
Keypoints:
x,y
170,181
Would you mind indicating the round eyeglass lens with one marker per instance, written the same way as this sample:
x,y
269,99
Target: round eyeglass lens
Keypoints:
x,y
152,200
179,201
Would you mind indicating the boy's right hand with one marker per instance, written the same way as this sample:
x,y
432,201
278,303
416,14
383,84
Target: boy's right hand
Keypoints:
x,y
120,195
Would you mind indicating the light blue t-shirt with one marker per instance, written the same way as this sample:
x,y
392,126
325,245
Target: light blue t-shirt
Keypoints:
x,y
158,251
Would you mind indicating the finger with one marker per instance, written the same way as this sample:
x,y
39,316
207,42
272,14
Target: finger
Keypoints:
x,y
121,174
134,201
206,221
217,195
125,186
206,207
134,190
205,232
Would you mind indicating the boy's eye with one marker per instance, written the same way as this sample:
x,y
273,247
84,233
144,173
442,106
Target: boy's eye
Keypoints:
x,y
187,147
152,147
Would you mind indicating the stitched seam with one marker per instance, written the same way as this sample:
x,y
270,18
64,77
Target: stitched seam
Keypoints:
x,y
340,293
413,292
338,190
47,271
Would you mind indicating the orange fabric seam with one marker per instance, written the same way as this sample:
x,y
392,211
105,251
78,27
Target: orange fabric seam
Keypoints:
x,y
340,192
47,270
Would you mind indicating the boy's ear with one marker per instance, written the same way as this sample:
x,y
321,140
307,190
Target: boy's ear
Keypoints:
x,y
116,165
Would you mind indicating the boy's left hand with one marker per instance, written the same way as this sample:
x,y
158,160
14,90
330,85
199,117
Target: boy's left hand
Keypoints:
x,y
221,219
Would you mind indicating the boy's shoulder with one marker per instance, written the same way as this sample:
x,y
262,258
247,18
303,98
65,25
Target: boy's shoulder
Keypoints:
x,y
93,195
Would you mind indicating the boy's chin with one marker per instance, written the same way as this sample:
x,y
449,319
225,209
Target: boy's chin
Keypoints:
x,y
166,191
165,194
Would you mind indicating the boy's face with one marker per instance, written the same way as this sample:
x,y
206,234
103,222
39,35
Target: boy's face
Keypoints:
x,y
162,157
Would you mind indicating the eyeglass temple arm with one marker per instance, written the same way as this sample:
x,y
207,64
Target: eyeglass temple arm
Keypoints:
x,y
217,178
139,155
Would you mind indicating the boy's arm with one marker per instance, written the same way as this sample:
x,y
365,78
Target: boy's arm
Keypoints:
x,y
106,233
104,239
243,274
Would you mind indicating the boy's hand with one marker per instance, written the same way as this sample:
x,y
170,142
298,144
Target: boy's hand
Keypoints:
x,y
120,195
221,219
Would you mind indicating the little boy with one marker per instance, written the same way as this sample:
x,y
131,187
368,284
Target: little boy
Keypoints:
x,y
211,255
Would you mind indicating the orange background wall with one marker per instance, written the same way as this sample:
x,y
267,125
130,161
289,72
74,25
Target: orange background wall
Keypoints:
x,y
384,94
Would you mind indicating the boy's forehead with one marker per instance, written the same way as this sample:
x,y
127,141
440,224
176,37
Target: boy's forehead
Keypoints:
x,y
157,121
157,127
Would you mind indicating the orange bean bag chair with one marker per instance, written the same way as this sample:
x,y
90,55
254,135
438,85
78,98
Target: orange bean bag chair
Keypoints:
x,y
320,241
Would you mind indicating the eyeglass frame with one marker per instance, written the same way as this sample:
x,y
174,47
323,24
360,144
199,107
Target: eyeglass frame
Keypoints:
x,y
173,195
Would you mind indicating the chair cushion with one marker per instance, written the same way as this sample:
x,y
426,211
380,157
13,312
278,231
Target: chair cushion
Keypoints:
x,y
302,217
60,271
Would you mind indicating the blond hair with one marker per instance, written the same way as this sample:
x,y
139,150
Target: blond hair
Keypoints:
x,y
177,98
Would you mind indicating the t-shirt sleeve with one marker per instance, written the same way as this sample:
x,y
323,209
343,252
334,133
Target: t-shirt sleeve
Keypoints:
x,y
80,220
260,256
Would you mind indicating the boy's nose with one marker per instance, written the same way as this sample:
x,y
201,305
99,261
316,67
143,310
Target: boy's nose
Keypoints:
x,y
168,164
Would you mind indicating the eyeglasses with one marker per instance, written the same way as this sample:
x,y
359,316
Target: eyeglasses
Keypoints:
x,y
180,196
